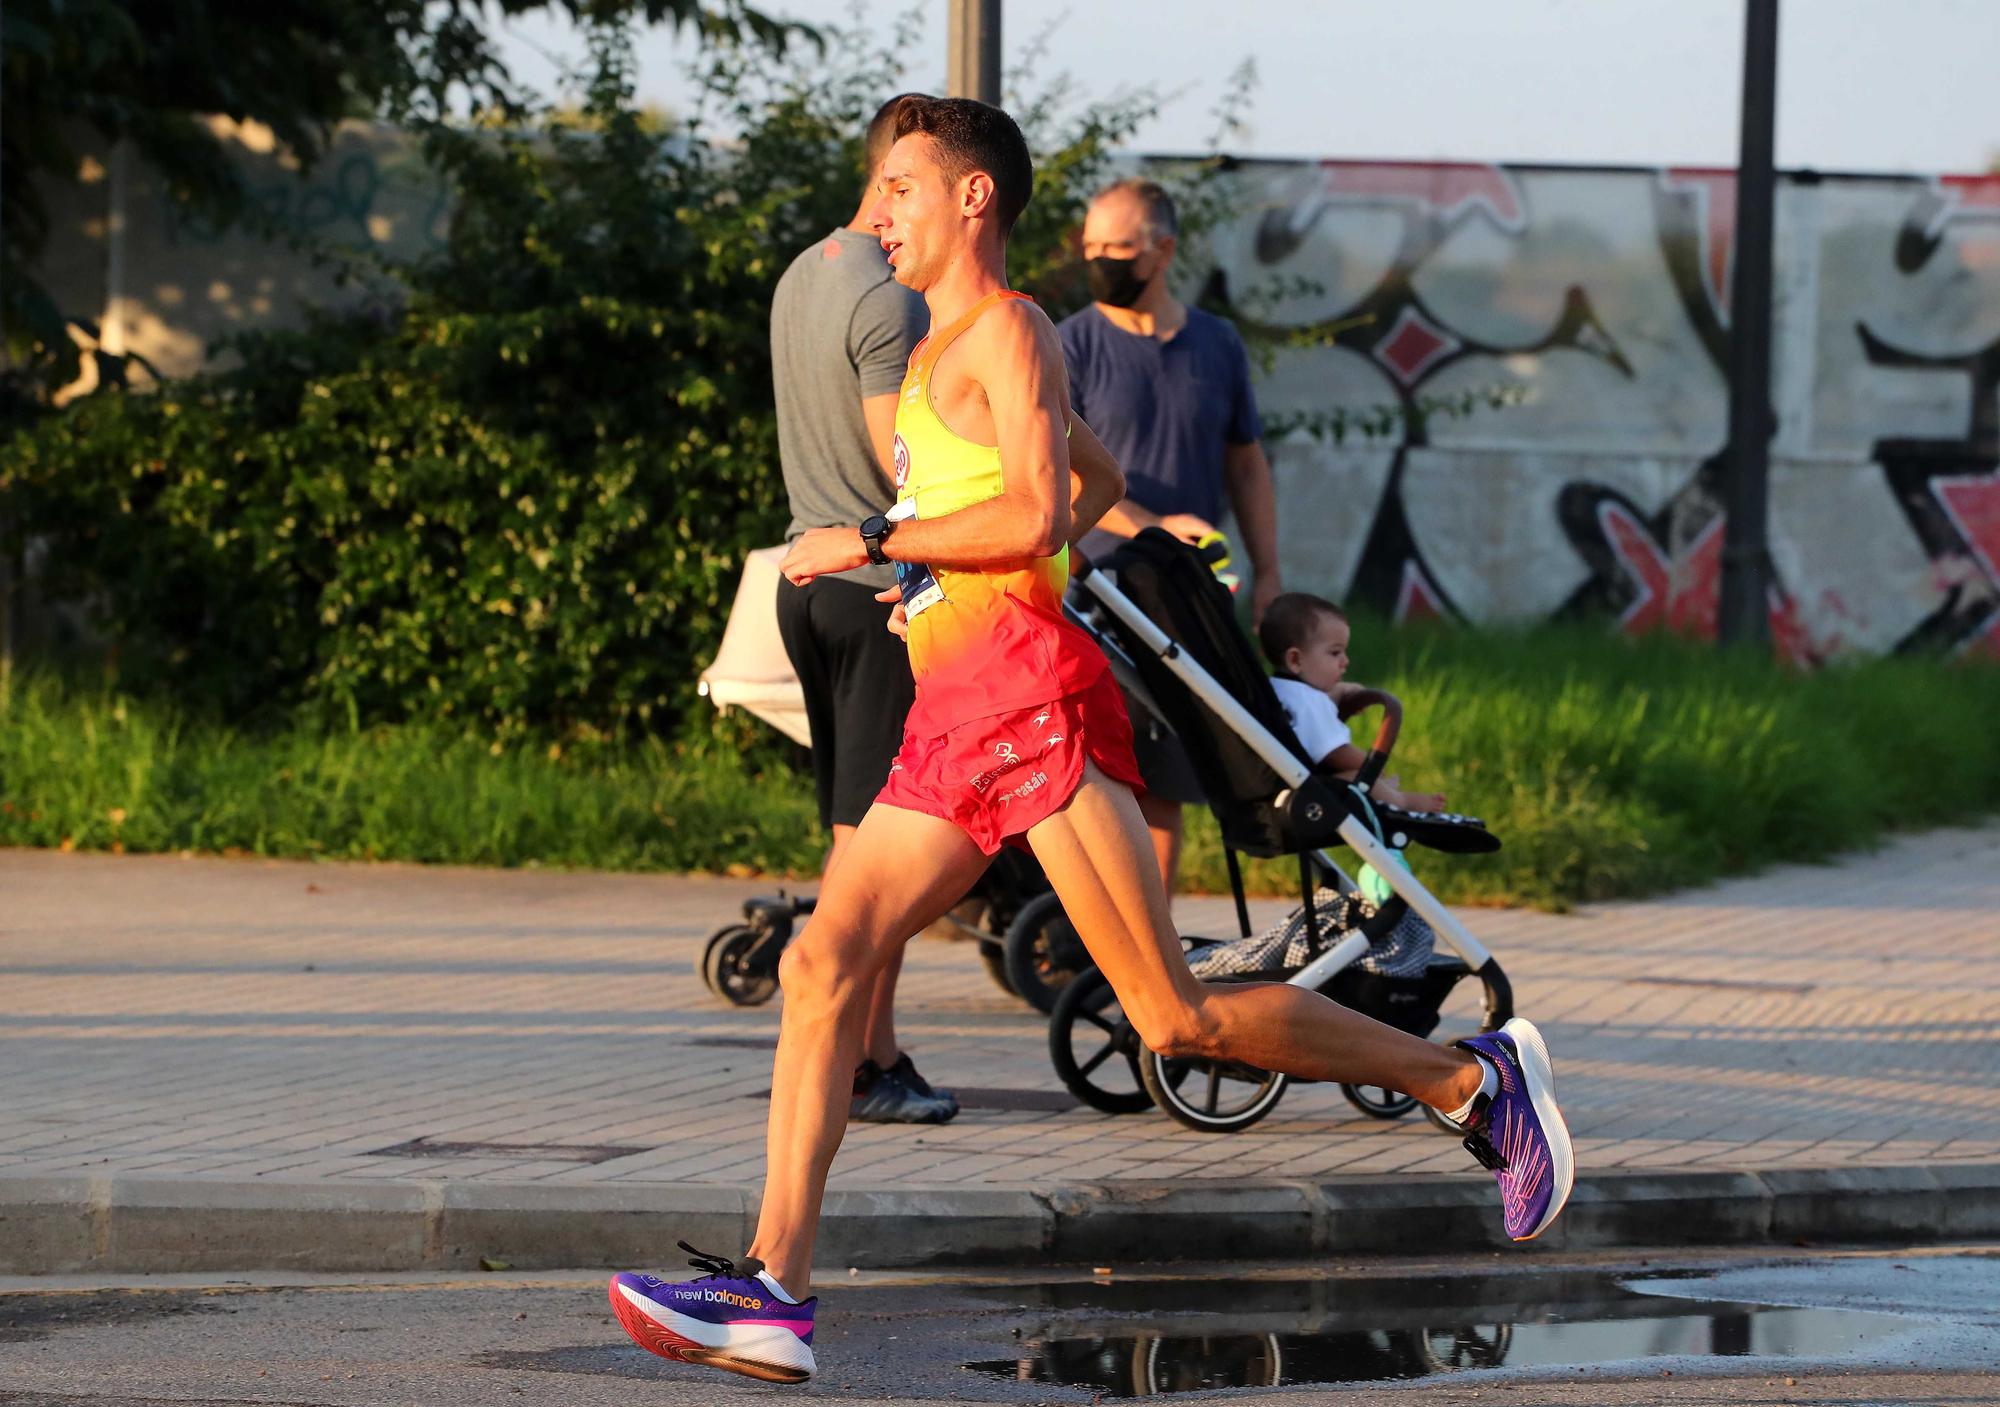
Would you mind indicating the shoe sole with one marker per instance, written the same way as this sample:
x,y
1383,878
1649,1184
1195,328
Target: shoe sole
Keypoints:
x,y
655,1337
1540,1078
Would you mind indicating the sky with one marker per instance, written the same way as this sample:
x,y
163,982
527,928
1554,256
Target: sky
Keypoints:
x,y
1863,85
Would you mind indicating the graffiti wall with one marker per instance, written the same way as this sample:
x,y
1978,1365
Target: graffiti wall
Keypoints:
x,y
1554,339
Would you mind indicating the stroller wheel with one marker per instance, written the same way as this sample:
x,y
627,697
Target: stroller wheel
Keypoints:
x,y
1211,1096
725,969
994,956
1094,1048
1044,953
1379,1103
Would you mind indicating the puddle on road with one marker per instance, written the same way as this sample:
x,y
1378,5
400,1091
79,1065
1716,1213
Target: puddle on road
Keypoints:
x,y
1413,1329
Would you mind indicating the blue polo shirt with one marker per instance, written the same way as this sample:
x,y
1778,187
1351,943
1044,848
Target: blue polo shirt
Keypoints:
x,y
1165,410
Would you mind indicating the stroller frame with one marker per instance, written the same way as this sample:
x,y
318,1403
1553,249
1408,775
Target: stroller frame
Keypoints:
x,y
1309,814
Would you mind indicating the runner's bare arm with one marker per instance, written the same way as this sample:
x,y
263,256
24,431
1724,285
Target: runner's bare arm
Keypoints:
x,y
1013,354
1099,482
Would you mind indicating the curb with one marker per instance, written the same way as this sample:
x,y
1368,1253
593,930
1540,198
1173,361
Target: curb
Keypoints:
x,y
140,1225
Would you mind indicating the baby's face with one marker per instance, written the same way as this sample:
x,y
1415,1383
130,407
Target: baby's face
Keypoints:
x,y
1322,660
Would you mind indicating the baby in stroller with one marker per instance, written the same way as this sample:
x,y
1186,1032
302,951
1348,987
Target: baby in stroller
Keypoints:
x,y
1305,637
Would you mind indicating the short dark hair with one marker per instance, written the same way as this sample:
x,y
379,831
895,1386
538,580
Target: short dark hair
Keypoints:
x,y
882,132
1289,622
970,136
1160,217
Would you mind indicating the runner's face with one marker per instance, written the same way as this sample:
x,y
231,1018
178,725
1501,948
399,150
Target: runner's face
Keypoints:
x,y
912,213
1322,660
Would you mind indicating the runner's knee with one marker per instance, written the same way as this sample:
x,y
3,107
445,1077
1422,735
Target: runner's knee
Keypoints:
x,y
827,965
1179,1030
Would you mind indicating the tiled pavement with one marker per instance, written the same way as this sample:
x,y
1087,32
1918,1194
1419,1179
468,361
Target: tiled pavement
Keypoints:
x,y
234,1019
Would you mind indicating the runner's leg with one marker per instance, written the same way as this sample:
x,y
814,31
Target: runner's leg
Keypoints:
x,y
901,871
880,1045
1098,856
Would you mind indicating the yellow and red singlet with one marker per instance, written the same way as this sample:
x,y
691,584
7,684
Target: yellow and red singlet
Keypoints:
x,y
986,640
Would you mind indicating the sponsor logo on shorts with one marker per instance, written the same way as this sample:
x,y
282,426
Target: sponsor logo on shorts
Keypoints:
x,y
1051,740
1009,760
1027,788
1042,718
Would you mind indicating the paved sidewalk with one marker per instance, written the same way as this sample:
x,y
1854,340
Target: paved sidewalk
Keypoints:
x,y
215,1019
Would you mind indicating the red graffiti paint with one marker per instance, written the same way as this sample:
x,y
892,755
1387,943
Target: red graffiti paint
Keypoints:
x,y
1414,346
1714,191
1973,501
1448,189
1678,594
1417,599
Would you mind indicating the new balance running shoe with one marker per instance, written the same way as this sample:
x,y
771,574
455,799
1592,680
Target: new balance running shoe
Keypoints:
x,y
1518,1132
725,1318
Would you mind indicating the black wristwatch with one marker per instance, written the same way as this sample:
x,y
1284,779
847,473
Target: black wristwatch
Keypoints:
x,y
874,532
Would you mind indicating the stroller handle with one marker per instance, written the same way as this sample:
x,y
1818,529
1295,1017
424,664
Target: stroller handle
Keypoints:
x,y
1385,735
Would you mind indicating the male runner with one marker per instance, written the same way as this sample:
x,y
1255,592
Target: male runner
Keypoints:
x,y
1018,730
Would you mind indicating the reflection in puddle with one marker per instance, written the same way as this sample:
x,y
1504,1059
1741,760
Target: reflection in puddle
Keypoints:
x,y
1359,1347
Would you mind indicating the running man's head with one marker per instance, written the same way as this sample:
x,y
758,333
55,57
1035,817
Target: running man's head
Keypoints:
x,y
1305,638
1130,233
954,182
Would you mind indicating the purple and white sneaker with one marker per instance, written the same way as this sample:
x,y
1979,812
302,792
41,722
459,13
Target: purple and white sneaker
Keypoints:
x,y
1518,1132
726,1318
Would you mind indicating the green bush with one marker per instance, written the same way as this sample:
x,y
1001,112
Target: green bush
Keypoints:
x,y
520,502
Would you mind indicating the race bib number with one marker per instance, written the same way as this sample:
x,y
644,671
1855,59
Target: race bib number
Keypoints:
x,y
920,588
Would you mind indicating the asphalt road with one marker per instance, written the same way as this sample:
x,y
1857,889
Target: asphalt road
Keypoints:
x,y
1913,1325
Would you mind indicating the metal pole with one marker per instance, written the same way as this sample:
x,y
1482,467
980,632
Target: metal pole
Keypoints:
x,y
974,60
1743,614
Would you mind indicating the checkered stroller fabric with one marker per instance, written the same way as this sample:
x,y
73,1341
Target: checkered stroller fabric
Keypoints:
x,y
1285,947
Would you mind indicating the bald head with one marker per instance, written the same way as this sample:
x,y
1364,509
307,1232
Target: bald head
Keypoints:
x,y
1143,203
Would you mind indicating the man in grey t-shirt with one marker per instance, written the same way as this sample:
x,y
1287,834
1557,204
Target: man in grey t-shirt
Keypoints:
x,y
841,333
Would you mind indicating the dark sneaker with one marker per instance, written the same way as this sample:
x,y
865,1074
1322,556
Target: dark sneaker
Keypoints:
x,y
905,1070
726,1318
1519,1133
881,1097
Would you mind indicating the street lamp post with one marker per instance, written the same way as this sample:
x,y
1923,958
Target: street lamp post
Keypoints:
x,y
974,60
1743,612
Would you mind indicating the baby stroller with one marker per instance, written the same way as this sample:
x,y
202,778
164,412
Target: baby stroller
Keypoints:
x,y
739,962
1169,627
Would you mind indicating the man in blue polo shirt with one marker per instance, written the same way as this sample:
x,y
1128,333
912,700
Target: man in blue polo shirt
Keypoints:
x,y
1167,388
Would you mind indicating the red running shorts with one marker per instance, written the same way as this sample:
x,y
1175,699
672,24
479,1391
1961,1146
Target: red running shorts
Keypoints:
x,y
997,777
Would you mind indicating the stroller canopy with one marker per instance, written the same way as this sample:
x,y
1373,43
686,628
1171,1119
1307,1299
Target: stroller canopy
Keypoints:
x,y
1171,583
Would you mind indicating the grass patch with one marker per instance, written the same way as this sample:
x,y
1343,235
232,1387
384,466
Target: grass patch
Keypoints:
x,y
1613,768
1609,768
91,769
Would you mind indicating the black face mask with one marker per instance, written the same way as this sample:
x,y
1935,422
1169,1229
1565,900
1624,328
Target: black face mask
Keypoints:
x,y
1114,281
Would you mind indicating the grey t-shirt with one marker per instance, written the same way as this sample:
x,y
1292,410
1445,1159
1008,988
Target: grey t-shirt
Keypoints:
x,y
842,329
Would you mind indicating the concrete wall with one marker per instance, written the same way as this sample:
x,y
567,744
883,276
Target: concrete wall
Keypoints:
x,y
167,287
1593,300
